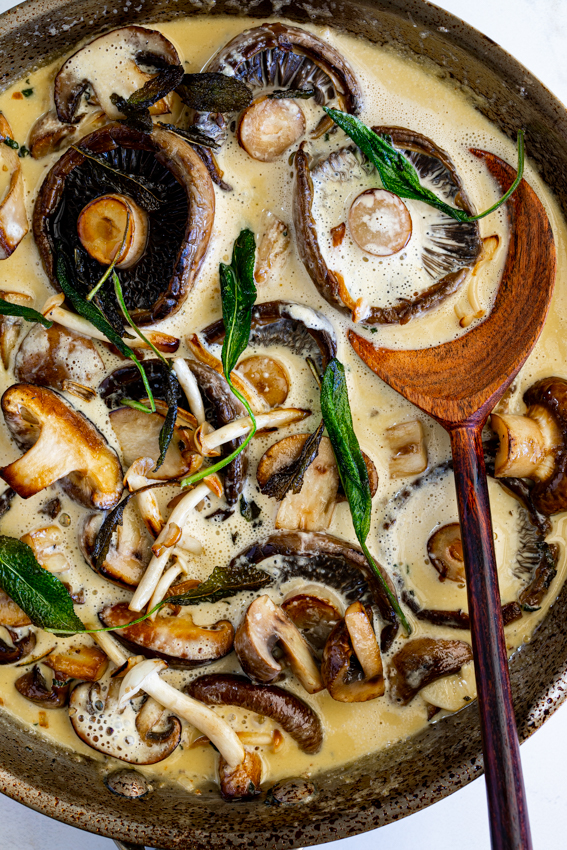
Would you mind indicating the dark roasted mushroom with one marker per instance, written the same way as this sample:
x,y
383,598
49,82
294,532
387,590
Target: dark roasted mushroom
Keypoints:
x,y
449,249
61,445
445,550
293,715
129,552
162,174
21,646
57,356
422,661
315,610
33,687
352,667
174,638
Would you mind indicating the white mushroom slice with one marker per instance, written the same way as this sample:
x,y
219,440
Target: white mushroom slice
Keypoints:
x,y
452,692
111,64
138,435
135,479
269,127
113,228
145,676
273,248
155,569
46,545
13,217
108,644
164,584
380,223
264,625
129,551
363,640
189,385
61,445
312,508
48,134
10,325
239,427
409,452
58,358
87,663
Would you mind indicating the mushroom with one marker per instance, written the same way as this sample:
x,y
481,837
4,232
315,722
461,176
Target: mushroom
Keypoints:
x,y
352,667
439,260
293,714
13,216
454,692
113,228
268,377
243,781
129,552
46,544
21,646
315,610
179,204
146,676
54,357
409,451
111,65
445,551
135,479
138,436
48,134
10,326
33,687
422,661
268,127
113,730
264,625
208,441
319,557
61,445
87,663
177,639
10,613
273,248
535,445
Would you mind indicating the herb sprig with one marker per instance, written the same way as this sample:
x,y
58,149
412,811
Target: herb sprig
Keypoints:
x,y
9,309
398,174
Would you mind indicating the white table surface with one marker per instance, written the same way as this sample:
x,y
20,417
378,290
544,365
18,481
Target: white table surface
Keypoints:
x,y
535,32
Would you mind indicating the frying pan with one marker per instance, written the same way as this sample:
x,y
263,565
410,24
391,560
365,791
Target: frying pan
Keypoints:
x,y
374,790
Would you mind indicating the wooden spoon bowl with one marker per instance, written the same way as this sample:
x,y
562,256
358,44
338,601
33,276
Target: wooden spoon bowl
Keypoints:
x,y
458,384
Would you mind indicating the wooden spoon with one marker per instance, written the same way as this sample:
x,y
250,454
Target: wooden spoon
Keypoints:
x,y
458,384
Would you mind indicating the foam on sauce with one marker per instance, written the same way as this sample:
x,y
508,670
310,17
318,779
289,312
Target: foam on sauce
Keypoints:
x,y
396,92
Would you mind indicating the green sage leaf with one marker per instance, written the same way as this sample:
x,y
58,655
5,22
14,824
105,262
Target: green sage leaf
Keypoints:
x,y
290,478
9,309
221,584
192,135
238,294
296,94
168,427
157,87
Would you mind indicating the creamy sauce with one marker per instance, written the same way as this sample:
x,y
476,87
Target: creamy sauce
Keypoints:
x,y
395,92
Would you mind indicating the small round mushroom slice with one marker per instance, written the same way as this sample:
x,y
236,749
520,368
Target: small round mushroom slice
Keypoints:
x,y
33,687
113,228
13,216
535,445
179,206
174,638
114,731
315,610
111,64
327,560
61,445
268,127
129,552
58,358
445,551
448,249
352,666
264,626
277,56
21,646
294,715
422,661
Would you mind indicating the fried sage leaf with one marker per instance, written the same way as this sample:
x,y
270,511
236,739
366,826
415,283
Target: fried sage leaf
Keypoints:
x,y
398,174
9,309
214,93
157,87
335,408
291,477
296,94
39,593
147,194
192,135
168,427
221,584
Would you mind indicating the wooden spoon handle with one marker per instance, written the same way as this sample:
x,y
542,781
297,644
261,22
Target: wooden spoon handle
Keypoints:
x,y
509,823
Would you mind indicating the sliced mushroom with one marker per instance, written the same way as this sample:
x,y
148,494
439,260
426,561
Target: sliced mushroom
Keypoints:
x,y
10,613
46,544
179,221
264,625
13,216
379,222
409,451
21,646
52,357
315,611
268,127
87,663
294,716
111,729
175,638
113,228
10,326
273,248
454,692
208,440
138,436
352,667
135,479
422,661
243,781
129,552
33,687
111,65
445,550
268,377
48,134
61,445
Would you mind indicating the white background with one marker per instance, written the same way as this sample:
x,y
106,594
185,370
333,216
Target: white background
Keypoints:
x,y
535,32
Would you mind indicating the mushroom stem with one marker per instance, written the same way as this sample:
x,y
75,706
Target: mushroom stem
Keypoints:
x,y
108,644
164,584
409,451
145,676
135,479
157,565
189,385
275,419
527,444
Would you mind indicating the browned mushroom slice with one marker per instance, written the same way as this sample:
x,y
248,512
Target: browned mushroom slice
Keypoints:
x,y
61,445
33,687
293,715
113,731
241,782
352,666
21,646
10,613
46,544
175,638
138,435
48,134
52,357
272,249
409,451
315,610
269,127
13,216
179,221
422,661
264,626
113,228
445,550
10,326
268,377
327,560
128,555
379,222
111,64
87,663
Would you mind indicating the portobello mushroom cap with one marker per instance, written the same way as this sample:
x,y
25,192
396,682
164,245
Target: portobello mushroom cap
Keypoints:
x,y
450,250
179,223
61,445
422,661
327,560
176,639
120,732
33,687
294,716
57,357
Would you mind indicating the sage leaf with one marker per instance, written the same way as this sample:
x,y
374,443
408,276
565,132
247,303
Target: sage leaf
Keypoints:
x,y
222,583
168,427
212,92
291,477
249,510
157,87
398,174
296,94
41,595
335,409
192,135
9,309
238,294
